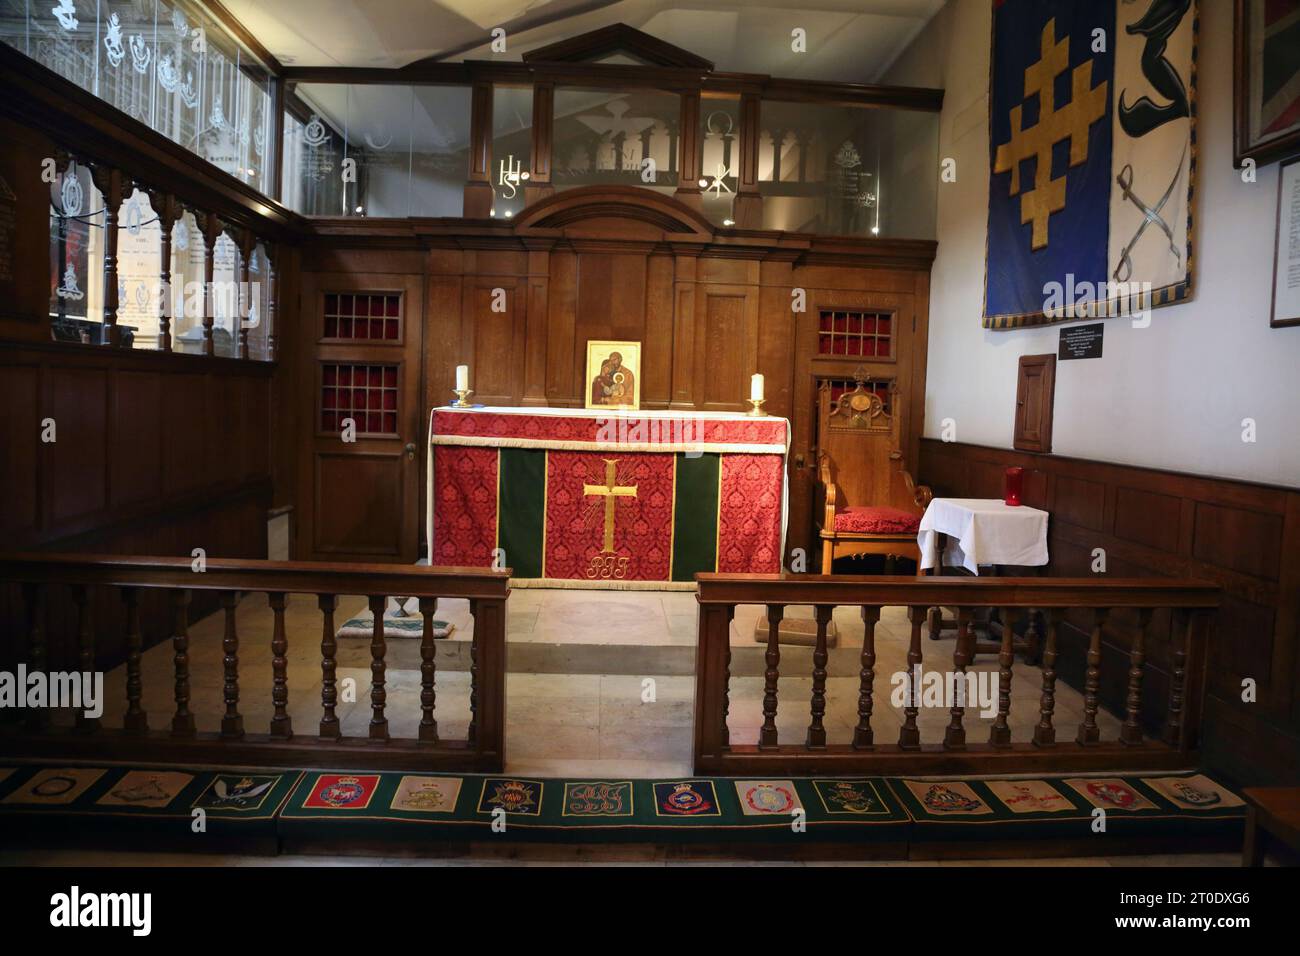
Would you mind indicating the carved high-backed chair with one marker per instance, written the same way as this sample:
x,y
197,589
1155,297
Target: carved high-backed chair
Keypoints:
x,y
867,500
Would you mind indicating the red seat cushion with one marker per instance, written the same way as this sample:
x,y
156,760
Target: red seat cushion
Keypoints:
x,y
873,520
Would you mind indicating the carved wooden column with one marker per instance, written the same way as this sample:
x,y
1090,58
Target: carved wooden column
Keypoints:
x,y
211,230
245,298
689,153
538,186
168,211
478,184
748,208
109,182
272,293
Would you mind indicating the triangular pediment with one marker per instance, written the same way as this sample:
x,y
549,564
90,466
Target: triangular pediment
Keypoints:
x,y
615,43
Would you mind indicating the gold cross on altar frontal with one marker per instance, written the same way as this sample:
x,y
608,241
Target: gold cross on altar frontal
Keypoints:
x,y
610,490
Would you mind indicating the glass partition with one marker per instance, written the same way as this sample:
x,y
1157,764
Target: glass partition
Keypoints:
x,y
615,137
512,146
76,256
848,171
376,150
139,272
720,156
188,296
166,63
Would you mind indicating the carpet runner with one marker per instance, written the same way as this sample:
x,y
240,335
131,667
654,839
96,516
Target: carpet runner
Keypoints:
x,y
378,806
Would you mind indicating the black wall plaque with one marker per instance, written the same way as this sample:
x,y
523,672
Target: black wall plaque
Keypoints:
x,y
1081,342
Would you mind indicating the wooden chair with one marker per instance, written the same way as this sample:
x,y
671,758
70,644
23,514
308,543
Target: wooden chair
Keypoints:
x,y
867,500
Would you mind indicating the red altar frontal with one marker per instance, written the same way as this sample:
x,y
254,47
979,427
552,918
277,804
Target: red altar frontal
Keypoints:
x,y
576,498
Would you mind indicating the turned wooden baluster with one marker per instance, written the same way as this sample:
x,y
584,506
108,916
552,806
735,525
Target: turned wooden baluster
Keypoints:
x,y
329,692
1045,733
816,730
281,724
182,720
863,738
1189,626
1000,735
135,720
726,680
909,736
232,724
428,672
378,648
37,718
86,652
471,732
1088,730
1131,732
767,735
954,737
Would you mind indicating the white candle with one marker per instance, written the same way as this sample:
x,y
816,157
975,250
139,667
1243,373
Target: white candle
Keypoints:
x,y
756,388
462,377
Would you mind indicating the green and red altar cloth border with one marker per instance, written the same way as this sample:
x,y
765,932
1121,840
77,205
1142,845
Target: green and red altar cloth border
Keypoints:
x,y
691,492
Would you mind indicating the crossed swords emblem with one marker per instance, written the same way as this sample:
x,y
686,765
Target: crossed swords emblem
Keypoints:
x,y
1150,216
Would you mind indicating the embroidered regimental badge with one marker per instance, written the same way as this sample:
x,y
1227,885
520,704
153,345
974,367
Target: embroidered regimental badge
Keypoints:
x,y
598,798
766,797
142,788
55,786
237,792
686,798
947,799
1029,796
1110,793
855,797
427,794
1198,792
514,796
333,791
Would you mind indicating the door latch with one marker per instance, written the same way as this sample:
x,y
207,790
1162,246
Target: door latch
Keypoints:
x,y
410,451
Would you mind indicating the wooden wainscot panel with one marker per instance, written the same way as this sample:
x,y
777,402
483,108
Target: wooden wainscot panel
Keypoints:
x,y
1246,541
24,218
76,466
185,432
1080,502
727,352
1147,518
135,470
442,339
495,339
657,344
351,524
563,367
20,439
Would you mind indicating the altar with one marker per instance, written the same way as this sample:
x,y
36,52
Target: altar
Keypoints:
x,y
603,498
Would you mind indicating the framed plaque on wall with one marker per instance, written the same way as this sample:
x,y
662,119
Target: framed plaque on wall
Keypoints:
x,y
1286,251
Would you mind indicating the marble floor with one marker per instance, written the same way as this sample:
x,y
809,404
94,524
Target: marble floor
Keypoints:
x,y
600,682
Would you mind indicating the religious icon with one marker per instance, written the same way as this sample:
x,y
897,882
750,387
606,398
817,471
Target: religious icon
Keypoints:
x,y
613,370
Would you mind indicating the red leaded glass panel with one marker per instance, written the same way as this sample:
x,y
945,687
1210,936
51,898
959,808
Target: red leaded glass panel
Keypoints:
x,y
365,316
365,393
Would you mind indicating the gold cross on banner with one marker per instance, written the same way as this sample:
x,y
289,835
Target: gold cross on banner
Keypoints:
x,y
1072,121
610,490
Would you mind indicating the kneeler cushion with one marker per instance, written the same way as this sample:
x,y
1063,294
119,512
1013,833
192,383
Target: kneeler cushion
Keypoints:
x,y
877,520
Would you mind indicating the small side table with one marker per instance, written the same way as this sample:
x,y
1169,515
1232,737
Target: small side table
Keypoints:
x,y
1271,811
975,532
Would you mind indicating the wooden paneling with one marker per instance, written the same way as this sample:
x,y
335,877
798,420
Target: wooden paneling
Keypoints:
x,y
619,263
1242,536
131,471
358,508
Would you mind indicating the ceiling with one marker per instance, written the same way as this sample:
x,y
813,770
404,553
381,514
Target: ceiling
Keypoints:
x,y
847,40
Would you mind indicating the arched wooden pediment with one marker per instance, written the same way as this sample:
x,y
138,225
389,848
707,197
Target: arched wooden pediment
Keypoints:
x,y
596,210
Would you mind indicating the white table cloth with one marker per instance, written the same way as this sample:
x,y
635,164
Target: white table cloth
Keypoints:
x,y
983,531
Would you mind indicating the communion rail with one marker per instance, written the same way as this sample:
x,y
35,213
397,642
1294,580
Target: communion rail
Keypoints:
x,y
1191,605
54,576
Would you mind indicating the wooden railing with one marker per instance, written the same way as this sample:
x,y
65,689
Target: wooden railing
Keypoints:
x,y
53,577
1191,602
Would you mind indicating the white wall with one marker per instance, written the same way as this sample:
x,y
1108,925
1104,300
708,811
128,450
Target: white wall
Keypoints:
x,y
1169,396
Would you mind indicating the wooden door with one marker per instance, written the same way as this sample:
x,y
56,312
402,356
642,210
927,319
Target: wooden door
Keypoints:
x,y
840,332
360,498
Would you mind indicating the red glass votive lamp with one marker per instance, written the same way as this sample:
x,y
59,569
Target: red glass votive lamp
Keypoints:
x,y
1014,485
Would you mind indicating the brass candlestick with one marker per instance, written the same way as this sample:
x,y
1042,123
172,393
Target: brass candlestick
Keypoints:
x,y
461,395
756,407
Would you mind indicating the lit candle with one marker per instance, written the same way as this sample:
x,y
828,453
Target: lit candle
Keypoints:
x,y
462,377
756,388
